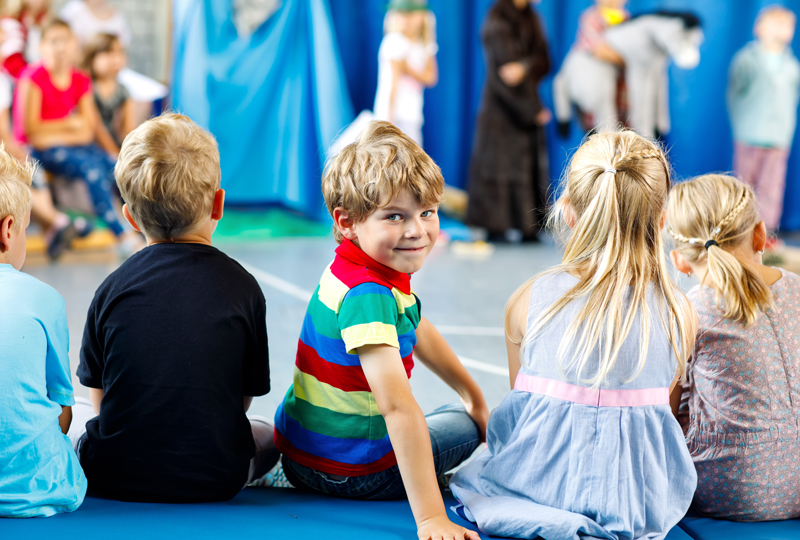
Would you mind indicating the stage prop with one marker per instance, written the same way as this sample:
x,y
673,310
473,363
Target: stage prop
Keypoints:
x,y
647,43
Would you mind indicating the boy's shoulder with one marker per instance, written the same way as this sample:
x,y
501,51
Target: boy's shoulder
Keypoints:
x,y
40,299
178,263
26,284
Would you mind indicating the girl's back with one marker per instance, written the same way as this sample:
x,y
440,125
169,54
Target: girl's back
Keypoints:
x,y
567,458
743,409
741,405
586,443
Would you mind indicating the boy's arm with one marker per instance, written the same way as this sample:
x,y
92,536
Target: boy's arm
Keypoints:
x,y
434,352
96,396
65,419
408,431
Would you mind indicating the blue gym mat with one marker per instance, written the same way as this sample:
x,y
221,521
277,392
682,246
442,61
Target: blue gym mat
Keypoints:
x,y
703,528
271,513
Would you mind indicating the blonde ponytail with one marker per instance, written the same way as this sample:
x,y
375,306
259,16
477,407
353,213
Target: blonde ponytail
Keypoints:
x,y
708,216
616,186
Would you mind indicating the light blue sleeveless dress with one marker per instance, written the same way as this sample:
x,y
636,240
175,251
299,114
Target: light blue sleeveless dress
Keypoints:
x,y
586,464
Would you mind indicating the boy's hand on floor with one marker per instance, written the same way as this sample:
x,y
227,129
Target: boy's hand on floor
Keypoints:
x,y
441,528
479,413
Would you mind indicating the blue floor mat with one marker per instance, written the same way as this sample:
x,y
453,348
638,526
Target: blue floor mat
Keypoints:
x,y
703,528
287,514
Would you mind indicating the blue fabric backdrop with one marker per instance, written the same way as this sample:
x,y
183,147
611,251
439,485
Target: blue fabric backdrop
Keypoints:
x,y
271,99
274,101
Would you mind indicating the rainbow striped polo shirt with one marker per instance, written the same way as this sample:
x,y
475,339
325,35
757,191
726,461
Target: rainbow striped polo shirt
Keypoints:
x,y
328,420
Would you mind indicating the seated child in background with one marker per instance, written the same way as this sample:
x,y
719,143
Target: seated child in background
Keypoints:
x,y
41,475
763,92
58,229
586,443
54,113
103,59
741,406
592,25
350,426
175,343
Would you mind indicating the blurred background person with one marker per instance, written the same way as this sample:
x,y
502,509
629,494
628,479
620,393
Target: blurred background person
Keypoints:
x,y
763,86
406,65
54,112
21,23
103,58
509,175
88,18
592,25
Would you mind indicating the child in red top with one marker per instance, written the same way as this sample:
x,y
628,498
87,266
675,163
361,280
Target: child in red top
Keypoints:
x,y
21,23
55,114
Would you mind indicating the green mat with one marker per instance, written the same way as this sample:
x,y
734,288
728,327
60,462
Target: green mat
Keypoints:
x,y
252,225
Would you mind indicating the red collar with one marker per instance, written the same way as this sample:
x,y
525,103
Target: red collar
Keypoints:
x,y
355,255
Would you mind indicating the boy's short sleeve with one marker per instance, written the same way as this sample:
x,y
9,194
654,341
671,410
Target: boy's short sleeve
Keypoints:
x,y
255,371
90,369
368,316
57,373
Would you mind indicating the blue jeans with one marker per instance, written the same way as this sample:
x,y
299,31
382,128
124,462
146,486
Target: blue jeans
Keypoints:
x,y
90,164
454,436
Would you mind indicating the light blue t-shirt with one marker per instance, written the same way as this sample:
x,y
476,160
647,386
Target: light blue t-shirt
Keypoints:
x,y
39,472
763,93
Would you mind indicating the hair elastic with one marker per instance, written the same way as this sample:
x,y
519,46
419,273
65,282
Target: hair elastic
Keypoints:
x,y
609,170
711,243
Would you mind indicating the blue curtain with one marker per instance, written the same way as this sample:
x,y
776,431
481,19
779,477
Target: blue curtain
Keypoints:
x,y
273,100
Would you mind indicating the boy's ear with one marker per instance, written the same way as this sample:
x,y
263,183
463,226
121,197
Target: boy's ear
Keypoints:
x,y
219,204
129,217
680,263
344,223
759,236
6,226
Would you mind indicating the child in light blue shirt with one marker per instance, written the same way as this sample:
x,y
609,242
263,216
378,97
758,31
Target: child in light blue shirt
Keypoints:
x,y
39,472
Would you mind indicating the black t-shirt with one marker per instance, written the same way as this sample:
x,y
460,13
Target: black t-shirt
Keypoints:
x,y
177,336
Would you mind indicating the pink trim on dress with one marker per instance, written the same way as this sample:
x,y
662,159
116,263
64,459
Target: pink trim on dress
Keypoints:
x,y
591,396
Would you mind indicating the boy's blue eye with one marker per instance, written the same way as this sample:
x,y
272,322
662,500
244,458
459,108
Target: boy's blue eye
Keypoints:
x,y
394,217
428,213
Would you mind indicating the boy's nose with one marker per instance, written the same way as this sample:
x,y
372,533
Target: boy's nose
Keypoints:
x,y
414,228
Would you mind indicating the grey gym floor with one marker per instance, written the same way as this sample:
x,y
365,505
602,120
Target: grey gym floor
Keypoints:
x,y
462,293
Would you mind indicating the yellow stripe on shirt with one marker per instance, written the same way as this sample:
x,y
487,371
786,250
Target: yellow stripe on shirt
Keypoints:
x,y
310,389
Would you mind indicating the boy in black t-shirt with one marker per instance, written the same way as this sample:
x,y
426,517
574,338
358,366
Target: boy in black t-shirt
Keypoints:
x,y
175,343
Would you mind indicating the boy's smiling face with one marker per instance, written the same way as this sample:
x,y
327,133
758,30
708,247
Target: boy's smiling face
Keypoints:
x,y
399,235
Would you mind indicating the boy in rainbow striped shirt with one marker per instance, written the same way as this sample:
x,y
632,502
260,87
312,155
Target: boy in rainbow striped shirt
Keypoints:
x,y
349,426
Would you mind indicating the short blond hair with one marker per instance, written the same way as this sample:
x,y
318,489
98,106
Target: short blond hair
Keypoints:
x,y
775,10
367,174
15,187
167,173
720,208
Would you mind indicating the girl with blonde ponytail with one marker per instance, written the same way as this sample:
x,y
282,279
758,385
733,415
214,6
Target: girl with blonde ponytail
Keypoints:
x,y
586,443
741,403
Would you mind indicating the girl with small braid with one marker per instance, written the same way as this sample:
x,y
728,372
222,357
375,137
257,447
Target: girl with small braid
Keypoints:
x,y
586,444
740,407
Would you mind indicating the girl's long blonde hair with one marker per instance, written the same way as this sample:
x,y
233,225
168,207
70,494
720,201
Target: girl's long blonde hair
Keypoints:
x,y
723,209
394,22
616,187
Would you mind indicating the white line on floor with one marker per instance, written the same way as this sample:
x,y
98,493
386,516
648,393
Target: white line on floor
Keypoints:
x,y
483,366
293,290
277,283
